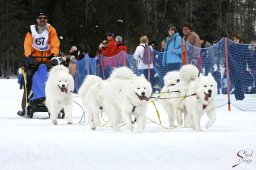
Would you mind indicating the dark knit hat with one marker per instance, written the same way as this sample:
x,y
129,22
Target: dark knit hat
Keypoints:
x,y
110,34
41,12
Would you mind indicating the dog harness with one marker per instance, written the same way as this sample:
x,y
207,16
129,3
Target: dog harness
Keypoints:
x,y
204,105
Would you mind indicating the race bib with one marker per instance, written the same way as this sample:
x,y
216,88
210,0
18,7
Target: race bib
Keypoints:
x,y
40,41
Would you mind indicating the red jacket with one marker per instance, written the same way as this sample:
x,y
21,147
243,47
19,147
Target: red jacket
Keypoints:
x,y
121,46
111,49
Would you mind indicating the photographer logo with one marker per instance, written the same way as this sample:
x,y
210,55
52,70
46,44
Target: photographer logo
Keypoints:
x,y
244,157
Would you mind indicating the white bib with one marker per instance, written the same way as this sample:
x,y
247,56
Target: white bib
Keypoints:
x,y
40,41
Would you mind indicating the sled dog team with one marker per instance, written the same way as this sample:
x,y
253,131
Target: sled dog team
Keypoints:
x,y
124,97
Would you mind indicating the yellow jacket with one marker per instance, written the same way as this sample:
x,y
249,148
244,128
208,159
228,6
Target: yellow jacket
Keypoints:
x,y
53,42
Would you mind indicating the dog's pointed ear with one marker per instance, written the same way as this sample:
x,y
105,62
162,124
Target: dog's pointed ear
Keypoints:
x,y
209,74
142,75
200,75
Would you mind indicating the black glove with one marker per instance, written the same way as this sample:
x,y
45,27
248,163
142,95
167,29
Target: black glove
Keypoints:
x,y
29,61
54,62
50,57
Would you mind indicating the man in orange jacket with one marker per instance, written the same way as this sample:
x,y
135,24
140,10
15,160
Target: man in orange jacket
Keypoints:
x,y
40,46
41,40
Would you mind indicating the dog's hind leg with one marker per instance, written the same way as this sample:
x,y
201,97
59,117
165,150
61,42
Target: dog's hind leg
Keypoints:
x,y
96,117
90,118
212,117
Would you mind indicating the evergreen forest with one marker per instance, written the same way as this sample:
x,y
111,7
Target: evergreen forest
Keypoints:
x,y
86,22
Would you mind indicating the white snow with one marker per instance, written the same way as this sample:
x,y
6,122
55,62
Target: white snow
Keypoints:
x,y
36,144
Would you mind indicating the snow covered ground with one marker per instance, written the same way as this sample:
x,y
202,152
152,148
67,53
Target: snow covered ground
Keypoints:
x,y
36,144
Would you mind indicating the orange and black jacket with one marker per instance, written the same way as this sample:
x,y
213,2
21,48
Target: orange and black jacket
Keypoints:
x,y
53,42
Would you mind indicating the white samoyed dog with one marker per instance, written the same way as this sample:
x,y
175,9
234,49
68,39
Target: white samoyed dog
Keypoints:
x,y
58,91
174,91
126,94
200,97
91,93
170,97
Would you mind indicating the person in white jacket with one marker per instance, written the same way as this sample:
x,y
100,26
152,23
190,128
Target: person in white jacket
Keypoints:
x,y
146,69
138,54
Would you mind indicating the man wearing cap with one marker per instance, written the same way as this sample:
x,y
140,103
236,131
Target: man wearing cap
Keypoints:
x,y
41,40
110,49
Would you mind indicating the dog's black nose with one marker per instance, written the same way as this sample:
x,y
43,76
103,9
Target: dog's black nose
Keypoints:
x,y
63,85
209,91
143,93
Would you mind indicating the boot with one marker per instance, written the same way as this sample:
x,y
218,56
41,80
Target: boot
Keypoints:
x,y
21,113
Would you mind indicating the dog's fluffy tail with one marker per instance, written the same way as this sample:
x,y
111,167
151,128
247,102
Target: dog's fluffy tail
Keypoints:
x,y
88,82
122,73
188,73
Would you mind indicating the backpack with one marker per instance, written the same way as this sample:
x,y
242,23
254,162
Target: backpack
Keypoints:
x,y
146,54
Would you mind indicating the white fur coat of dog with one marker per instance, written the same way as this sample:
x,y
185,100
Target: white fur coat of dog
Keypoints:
x,y
58,91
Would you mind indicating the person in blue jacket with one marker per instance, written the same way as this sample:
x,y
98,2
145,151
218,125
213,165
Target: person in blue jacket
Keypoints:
x,y
172,53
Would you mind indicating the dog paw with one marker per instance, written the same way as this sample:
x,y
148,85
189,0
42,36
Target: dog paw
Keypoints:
x,y
208,125
180,122
172,124
199,130
130,127
98,123
187,126
54,122
116,130
93,126
139,131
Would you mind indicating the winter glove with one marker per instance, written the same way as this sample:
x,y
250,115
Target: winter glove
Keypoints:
x,y
50,57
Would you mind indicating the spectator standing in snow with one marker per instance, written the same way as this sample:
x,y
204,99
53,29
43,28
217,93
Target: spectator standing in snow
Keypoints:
x,y
138,54
171,59
193,39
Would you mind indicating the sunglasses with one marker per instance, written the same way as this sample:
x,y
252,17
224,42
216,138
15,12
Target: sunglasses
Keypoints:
x,y
42,17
